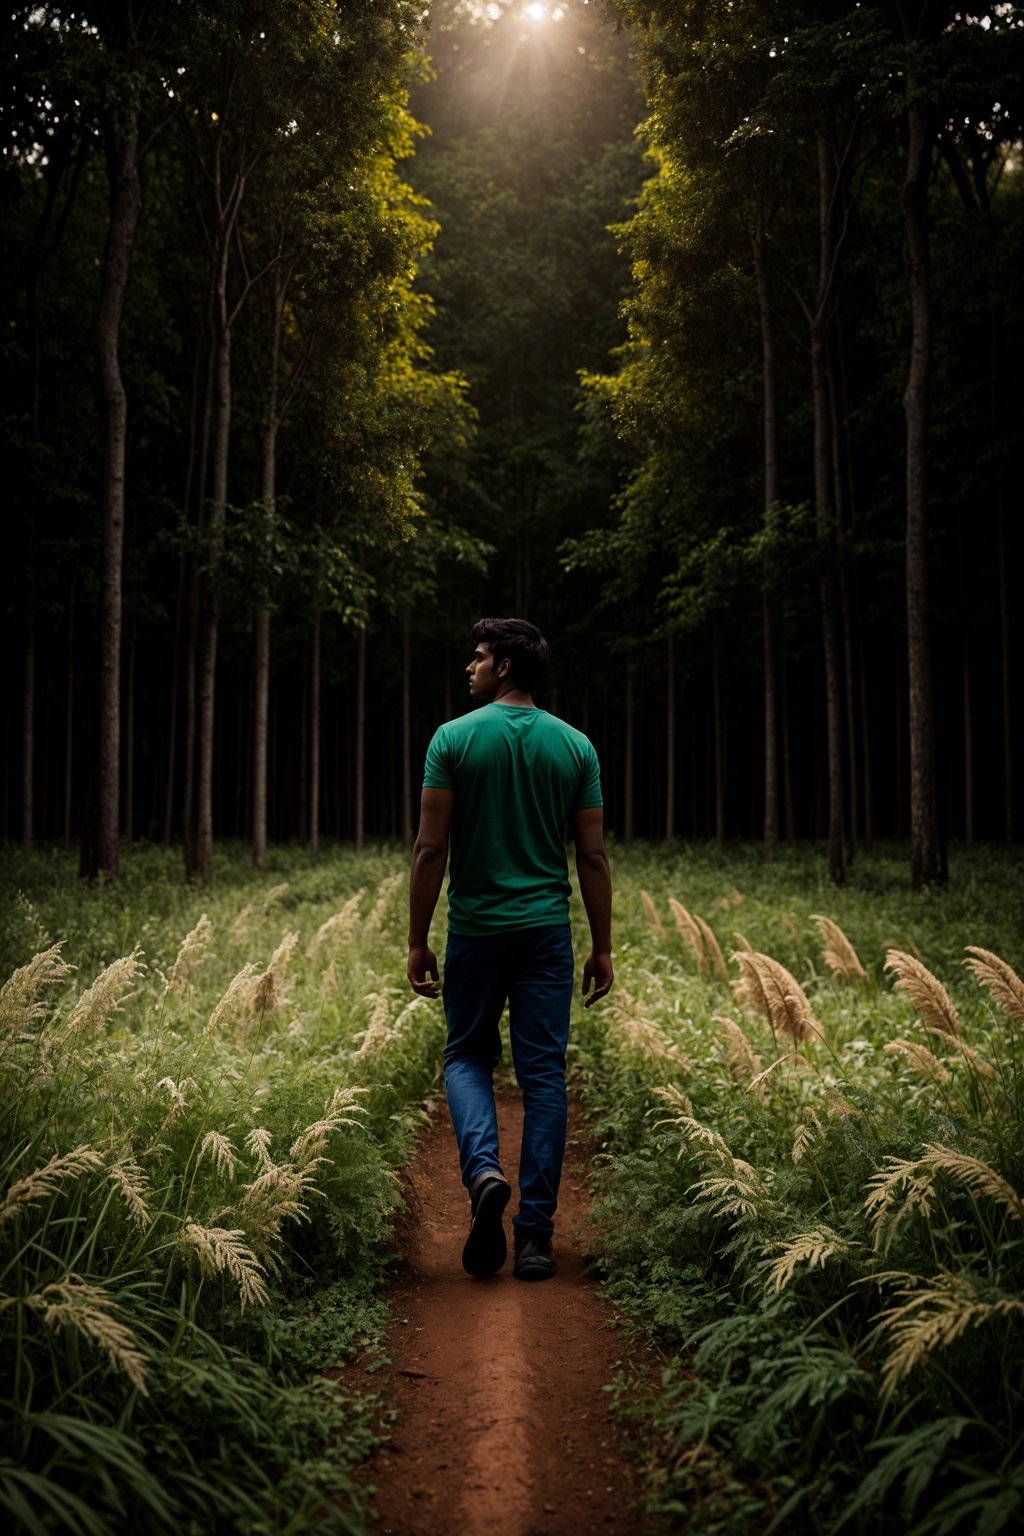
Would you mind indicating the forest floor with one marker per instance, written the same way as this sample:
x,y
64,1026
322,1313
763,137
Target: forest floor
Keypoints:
x,y
501,1421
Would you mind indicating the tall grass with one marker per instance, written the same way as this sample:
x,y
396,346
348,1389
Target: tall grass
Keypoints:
x,y
199,1140
812,1191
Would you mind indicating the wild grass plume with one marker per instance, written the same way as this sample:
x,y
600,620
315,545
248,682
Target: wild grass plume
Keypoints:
x,y
924,990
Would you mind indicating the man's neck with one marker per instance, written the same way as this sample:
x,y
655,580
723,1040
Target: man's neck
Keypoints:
x,y
510,694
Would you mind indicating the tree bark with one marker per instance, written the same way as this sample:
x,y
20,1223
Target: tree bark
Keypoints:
x,y
125,205
670,742
129,743
839,481
69,716
719,733
865,744
1004,655
788,797
28,731
407,822
769,371
261,623
226,207
359,809
630,762
925,854
968,748
314,737
824,512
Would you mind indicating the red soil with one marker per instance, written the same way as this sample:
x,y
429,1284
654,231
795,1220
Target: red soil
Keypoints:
x,y
502,1427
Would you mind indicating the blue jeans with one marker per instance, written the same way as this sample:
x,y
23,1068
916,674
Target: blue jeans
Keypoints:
x,y
533,969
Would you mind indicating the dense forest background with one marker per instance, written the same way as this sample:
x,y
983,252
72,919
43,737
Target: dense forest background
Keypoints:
x,y
690,331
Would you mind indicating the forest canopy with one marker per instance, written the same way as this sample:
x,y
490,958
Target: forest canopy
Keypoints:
x,y
688,330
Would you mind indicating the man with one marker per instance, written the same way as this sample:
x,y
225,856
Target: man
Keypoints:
x,y
501,783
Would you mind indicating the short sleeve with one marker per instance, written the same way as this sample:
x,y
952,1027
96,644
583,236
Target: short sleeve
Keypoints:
x,y
589,795
437,772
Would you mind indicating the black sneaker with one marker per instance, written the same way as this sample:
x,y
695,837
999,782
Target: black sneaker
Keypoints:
x,y
486,1248
534,1257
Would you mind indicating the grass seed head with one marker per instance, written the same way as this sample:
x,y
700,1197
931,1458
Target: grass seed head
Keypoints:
x,y
223,1250
234,1002
385,895
744,1062
92,1312
341,1109
268,990
808,1132
131,1183
192,951
690,932
651,913
933,1314
838,953
712,948
919,1057
1000,979
21,1002
107,995
375,1037
61,1169
925,991
768,988
337,928
813,1249
221,1153
645,1041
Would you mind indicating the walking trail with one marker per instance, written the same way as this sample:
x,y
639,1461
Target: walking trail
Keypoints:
x,y
502,1427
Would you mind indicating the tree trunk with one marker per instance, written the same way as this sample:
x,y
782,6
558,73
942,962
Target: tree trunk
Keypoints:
x,y
125,205
1004,654
670,742
719,733
925,855
359,817
172,714
314,737
824,512
839,481
28,731
865,744
968,749
225,210
788,797
260,739
129,744
630,763
69,717
769,371
407,817
261,623
188,820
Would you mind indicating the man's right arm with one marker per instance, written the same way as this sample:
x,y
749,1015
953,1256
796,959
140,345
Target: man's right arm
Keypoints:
x,y
429,857
596,890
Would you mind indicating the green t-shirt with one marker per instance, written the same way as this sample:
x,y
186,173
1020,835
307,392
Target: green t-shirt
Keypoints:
x,y
516,773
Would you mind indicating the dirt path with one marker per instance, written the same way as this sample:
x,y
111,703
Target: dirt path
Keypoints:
x,y
502,1426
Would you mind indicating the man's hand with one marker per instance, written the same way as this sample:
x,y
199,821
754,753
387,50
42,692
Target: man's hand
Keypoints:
x,y
597,971
421,964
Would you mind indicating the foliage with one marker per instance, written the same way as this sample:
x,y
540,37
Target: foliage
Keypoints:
x,y
810,1197
200,1144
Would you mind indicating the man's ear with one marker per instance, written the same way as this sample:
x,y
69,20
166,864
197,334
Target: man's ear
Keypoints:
x,y
503,666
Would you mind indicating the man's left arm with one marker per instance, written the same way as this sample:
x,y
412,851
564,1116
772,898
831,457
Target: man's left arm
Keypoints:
x,y
429,857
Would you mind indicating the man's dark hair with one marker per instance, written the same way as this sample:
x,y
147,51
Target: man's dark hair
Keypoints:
x,y
522,643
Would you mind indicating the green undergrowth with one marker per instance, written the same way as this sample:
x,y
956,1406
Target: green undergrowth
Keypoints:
x,y
811,1189
206,1098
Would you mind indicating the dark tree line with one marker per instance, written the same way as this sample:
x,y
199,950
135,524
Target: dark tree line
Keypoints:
x,y
287,406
